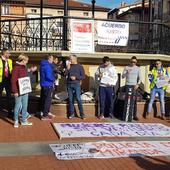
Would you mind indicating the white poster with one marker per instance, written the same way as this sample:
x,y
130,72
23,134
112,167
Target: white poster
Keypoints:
x,y
103,149
24,85
112,33
82,39
73,130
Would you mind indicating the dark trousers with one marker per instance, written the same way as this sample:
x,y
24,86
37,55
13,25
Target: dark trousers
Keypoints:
x,y
106,96
46,98
7,85
134,94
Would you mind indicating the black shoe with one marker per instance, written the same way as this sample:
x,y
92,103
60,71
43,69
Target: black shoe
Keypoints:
x,y
71,116
136,118
82,116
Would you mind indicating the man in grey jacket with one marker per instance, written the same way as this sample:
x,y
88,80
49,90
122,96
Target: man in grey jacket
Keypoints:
x,y
107,76
132,73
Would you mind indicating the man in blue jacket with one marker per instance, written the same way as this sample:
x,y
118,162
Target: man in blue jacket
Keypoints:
x,y
47,79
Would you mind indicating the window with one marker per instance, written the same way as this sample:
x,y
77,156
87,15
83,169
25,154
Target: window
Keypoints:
x,y
5,10
33,10
60,12
86,14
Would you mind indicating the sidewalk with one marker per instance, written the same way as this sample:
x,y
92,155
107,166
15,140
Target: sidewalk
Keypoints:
x,y
27,148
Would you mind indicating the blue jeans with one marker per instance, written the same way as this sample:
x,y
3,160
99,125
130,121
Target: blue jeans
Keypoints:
x,y
106,95
161,94
21,101
74,88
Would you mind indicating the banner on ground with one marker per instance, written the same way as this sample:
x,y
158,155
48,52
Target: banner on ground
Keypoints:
x,y
103,149
72,130
82,39
112,33
24,85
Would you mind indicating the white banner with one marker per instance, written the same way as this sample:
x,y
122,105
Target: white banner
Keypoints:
x,y
24,85
82,39
103,149
72,130
113,33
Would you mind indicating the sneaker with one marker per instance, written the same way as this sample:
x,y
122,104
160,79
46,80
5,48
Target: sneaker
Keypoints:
x,y
28,116
83,116
111,116
16,125
44,118
71,116
50,114
163,117
26,123
101,117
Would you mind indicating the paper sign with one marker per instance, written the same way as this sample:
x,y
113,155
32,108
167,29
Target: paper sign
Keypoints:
x,y
24,85
103,149
72,130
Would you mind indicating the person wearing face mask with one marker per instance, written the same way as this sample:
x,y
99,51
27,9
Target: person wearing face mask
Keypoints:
x,y
5,78
21,100
107,76
158,73
132,73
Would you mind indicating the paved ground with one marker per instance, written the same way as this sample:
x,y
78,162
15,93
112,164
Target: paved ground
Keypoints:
x,y
27,148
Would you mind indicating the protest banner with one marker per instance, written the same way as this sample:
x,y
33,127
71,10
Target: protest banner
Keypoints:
x,y
82,39
24,85
112,33
72,130
103,149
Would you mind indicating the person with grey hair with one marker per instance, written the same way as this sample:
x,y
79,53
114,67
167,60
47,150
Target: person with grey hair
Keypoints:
x,y
75,74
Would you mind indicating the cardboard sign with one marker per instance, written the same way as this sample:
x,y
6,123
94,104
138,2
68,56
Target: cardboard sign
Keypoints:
x,y
82,38
24,85
103,149
72,130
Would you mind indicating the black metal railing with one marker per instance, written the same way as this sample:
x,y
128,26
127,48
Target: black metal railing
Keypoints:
x,y
24,35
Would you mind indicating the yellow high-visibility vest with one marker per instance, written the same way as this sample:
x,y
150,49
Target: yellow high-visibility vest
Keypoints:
x,y
154,73
1,68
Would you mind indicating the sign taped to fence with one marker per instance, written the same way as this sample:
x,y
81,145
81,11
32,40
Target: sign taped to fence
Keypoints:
x,y
103,149
112,33
82,39
24,85
73,130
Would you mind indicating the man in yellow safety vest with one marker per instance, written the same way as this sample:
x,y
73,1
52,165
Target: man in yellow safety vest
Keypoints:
x,y
5,78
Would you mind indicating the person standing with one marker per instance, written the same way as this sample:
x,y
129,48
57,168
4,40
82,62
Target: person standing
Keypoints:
x,y
21,100
5,78
107,75
132,73
75,73
47,80
158,73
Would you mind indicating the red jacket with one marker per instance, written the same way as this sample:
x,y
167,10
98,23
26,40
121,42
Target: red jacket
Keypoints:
x,y
19,71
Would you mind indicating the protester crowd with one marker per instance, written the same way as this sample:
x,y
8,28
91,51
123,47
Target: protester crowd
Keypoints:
x,y
52,70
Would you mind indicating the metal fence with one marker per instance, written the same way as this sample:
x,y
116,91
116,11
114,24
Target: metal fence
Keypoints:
x,y
24,35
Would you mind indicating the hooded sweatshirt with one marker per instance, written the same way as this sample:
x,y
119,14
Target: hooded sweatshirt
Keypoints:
x,y
47,77
19,71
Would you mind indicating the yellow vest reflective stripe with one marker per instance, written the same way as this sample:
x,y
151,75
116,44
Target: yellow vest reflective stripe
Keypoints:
x,y
154,73
1,68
